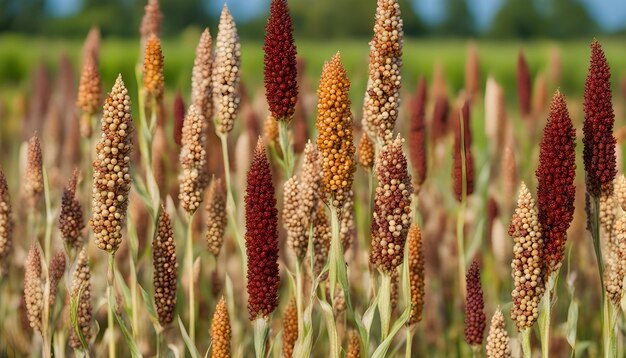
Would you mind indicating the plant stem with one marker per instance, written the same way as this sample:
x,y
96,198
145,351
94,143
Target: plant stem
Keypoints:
x,y
287,151
460,222
158,343
261,329
545,315
384,305
192,298
49,217
111,298
299,297
409,342
524,337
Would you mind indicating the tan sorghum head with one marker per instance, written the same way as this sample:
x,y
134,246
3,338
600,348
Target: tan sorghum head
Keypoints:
x,y
310,182
620,191
392,208
226,73
366,152
220,332
192,178
608,213
615,262
292,218
33,176
33,287
385,61
527,264
55,274
111,170
290,328
81,284
201,90
153,79
334,125
416,273
270,131
89,94
348,224
165,269
71,223
151,21
354,345
6,226
321,240
216,215
498,338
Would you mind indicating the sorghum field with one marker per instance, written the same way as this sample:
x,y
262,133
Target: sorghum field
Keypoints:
x,y
205,197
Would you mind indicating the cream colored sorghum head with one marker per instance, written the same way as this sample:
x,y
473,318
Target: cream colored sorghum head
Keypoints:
x,y
527,264
292,218
6,226
201,89
111,170
620,191
193,177
33,287
498,338
81,285
33,176
216,215
385,62
226,73
220,331
615,261
321,240
348,224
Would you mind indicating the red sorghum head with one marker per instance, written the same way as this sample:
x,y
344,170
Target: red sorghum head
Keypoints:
x,y
417,134
523,84
458,162
475,320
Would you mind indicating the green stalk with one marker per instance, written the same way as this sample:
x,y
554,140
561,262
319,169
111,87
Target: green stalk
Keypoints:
x,y
110,308
337,264
192,298
545,315
409,342
158,342
261,331
384,305
287,150
299,297
231,207
524,337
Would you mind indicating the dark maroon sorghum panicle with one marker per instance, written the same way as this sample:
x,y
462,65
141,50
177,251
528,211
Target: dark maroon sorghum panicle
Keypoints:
x,y
179,117
417,134
439,124
281,84
475,320
523,84
261,237
457,165
599,143
555,177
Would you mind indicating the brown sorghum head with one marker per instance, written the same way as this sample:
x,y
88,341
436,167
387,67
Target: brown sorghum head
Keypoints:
x,y
33,287
321,240
439,122
498,338
261,237
153,80
290,328
463,134
555,176
417,134
475,321
33,175
165,269
111,169
55,274
226,73
472,71
216,215
91,46
527,265
6,226
71,222
598,140
192,177
179,118
416,274
334,125
366,152
220,331
280,72
89,94
81,285
292,218
151,21
523,84
354,345
392,207
385,62
201,90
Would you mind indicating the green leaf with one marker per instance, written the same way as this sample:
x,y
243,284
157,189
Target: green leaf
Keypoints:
x,y
128,338
191,347
381,351
572,322
329,318
147,300
125,291
74,318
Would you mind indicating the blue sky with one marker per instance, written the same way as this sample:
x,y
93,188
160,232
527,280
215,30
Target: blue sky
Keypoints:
x,y
610,14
